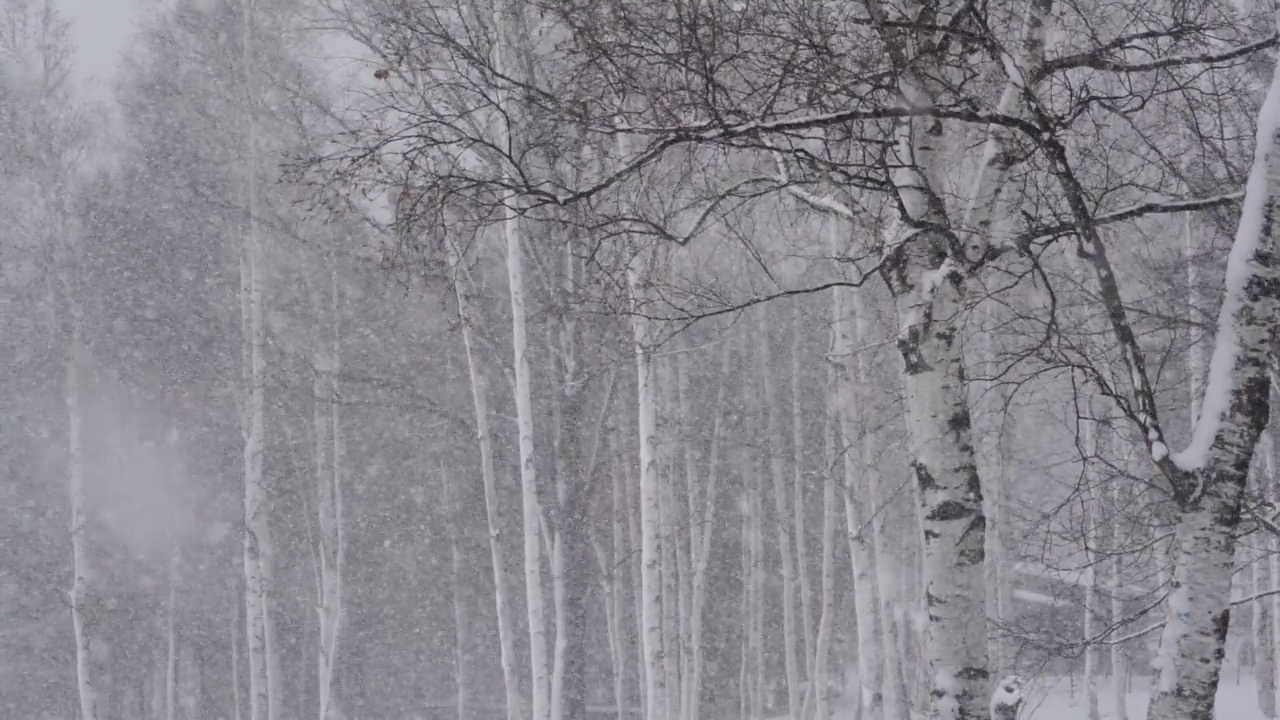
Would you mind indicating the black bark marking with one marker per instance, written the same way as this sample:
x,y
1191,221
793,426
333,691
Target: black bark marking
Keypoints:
x,y
924,479
949,510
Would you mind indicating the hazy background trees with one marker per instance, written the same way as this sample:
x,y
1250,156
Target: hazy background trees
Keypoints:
x,y
735,226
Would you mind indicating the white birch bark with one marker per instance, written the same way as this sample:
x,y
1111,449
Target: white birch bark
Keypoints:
x,y
650,492
1209,476
539,677
1119,665
797,454
235,664
458,568
82,627
895,684
870,626
331,543
705,512
782,518
668,558
822,652
1092,652
618,571
484,439
264,697
1272,547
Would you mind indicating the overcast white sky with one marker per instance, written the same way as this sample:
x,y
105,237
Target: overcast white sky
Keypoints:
x,y
101,29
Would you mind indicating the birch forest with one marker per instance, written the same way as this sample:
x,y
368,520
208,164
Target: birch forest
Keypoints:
x,y
641,360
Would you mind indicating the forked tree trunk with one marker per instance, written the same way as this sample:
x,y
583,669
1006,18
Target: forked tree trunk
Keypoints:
x,y
1209,477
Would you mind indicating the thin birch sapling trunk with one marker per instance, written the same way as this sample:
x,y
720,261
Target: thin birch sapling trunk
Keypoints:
x,y
264,676
80,593
484,440
458,568
782,518
822,654
704,526
797,454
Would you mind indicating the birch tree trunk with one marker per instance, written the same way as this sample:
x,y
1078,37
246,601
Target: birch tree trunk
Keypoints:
x,y
782,519
650,495
461,627
1208,477
702,532
331,542
895,688
870,648
1092,652
540,679
80,570
1119,665
927,279
264,698
171,660
821,661
484,439
798,453
1264,665
618,572
669,572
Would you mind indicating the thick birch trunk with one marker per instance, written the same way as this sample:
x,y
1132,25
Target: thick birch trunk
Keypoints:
x,y
484,438
927,291
782,520
650,498
1210,474
80,600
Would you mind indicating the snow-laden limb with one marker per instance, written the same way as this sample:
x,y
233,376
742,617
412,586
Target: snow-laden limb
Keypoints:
x,y
1254,231
1211,471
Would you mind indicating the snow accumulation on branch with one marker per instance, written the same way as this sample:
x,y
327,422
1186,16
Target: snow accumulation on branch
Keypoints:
x,y
1240,269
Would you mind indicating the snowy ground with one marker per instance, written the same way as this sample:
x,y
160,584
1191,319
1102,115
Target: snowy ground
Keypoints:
x,y
1237,700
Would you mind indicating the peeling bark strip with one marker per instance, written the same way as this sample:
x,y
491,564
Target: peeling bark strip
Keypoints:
x,y
1210,474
